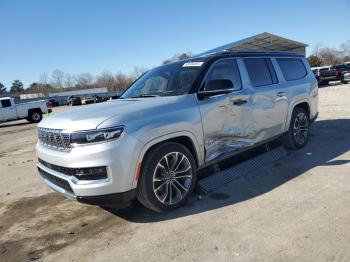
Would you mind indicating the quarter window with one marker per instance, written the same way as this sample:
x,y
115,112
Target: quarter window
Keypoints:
x,y
292,68
225,69
261,71
6,103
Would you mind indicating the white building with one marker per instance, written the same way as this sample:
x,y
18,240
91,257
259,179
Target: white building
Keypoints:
x,y
82,92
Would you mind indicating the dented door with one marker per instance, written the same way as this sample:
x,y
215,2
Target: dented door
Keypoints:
x,y
227,124
226,119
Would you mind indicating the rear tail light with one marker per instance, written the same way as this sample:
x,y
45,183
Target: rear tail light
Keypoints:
x,y
337,72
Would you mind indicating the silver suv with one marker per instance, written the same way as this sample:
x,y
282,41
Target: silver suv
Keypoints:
x,y
174,120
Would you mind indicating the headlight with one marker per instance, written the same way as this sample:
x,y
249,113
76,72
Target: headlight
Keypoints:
x,y
96,136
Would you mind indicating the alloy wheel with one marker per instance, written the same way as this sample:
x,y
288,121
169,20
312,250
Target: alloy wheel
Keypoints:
x,y
301,128
172,178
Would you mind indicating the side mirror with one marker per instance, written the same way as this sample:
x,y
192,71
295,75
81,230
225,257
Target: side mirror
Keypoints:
x,y
216,87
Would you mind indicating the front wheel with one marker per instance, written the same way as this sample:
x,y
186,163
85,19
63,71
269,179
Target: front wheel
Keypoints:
x,y
168,177
298,132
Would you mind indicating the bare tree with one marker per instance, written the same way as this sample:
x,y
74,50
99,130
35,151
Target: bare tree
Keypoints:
x,y
330,56
316,49
44,79
57,78
84,80
106,79
69,80
345,49
122,81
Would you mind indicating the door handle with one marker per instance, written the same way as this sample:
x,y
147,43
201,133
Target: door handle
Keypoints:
x,y
239,102
281,94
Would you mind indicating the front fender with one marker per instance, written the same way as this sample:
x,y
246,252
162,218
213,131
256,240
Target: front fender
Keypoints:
x,y
159,139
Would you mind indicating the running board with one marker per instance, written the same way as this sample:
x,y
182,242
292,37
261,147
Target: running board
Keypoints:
x,y
223,177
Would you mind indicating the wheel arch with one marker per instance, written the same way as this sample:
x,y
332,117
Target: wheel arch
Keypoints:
x,y
304,104
32,110
187,139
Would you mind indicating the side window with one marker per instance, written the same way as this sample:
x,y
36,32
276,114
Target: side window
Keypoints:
x,y
225,69
292,68
6,103
261,71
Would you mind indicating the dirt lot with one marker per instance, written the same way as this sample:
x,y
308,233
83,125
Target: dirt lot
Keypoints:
x,y
297,210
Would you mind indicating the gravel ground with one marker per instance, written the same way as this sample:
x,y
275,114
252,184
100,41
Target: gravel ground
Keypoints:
x,y
296,210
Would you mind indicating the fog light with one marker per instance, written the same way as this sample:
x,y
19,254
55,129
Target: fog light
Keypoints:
x,y
92,173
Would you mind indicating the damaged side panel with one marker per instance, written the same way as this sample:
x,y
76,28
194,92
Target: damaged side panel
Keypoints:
x,y
226,127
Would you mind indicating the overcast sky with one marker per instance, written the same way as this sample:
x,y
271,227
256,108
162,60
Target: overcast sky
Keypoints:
x,y
93,36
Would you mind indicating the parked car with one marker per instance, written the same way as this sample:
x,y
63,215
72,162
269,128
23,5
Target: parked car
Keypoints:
x,y
97,99
88,100
324,75
340,70
344,69
32,111
173,121
346,77
52,102
74,101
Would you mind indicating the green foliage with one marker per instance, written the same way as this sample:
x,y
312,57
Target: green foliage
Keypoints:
x,y
314,61
17,87
2,89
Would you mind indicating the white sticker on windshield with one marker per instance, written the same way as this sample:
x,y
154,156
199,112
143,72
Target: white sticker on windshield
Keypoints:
x,y
192,64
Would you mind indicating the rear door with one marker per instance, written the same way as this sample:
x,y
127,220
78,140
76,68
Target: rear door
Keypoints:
x,y
7,110
269,100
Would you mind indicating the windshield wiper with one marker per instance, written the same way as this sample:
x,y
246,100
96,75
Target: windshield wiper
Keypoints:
x,y
138,96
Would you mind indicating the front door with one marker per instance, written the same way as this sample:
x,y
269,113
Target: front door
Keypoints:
x,y
226,118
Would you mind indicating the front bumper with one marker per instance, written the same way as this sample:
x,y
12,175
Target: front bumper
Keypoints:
x,y
118,199
119,157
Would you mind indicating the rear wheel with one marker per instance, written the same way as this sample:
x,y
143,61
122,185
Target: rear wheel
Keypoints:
x,y
168,177
298,132
35,116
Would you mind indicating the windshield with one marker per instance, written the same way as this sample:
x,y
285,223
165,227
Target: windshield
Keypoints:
x,y
168,80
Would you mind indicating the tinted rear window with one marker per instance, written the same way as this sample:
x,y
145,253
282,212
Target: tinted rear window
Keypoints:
x,y
259,71
292,68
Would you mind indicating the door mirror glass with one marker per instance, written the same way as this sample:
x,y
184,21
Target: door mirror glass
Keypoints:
x,y
219,84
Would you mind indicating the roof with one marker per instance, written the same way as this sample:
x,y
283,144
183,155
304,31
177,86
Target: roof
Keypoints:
x,y
260,53
263,41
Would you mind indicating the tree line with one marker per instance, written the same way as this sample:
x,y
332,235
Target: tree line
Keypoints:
x,y
323,55
59,81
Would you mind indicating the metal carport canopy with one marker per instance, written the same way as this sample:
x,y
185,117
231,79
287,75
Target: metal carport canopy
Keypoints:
x,y
264,41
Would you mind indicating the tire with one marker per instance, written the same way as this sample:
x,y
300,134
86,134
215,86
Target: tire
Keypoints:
x,y
298,132
35,116
159,184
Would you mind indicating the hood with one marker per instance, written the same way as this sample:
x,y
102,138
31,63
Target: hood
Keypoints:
x,y
91,116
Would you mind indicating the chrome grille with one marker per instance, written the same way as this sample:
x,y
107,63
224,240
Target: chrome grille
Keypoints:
x,y
54,138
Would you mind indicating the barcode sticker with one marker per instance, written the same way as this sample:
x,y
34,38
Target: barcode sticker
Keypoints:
x,y
188,64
